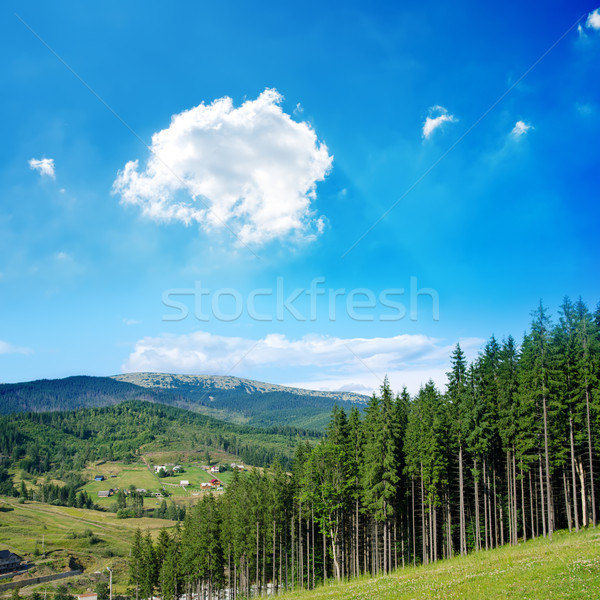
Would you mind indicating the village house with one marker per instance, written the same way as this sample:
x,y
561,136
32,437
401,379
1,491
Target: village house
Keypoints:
x,y
105,493
9,561
158,468
214,469
87,596
184,482
99,478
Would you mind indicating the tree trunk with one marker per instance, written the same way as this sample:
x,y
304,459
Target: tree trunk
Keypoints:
x,y
509,497
542,512
547,461
523,513
414,531
423,526
462,526
591,462
531,507
515,511
573,478
485,506
495,509
567,503
477,523
584,512
324,558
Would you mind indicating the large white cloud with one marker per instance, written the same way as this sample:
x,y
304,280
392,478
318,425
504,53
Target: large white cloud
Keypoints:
x,y
335,363
44,166
253,169
438,115
593,20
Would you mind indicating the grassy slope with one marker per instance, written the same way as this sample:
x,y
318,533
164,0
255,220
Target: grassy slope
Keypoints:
x,y
569,567
66,534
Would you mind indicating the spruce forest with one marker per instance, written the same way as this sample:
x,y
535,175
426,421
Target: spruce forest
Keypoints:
x,y
507,453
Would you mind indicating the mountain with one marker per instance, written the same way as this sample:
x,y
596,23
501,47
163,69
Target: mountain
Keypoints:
x,y
247,401
231,399
71,393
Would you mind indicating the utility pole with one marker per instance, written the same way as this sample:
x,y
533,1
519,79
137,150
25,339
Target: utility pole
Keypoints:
x,y
110,583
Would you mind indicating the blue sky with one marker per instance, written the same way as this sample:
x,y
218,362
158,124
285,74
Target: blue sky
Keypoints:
x,y
175,180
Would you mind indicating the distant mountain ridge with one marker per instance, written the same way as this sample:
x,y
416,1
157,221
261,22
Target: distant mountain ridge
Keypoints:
x,y
227,382
233,399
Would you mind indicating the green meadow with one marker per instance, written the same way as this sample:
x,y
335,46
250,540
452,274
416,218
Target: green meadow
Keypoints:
x,y
568,567
57,538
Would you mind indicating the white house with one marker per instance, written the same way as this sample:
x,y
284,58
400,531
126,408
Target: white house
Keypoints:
x,y
184,482
214,469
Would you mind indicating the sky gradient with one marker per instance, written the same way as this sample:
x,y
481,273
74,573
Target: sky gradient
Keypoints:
x,y
314,195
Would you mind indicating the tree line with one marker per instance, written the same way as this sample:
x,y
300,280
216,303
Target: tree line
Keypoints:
x,y
507,451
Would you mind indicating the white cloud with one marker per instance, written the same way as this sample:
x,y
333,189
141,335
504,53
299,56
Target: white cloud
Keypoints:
x,y
252,168
520,129
130,322
6,348
593,20
45,166
438,115
332,363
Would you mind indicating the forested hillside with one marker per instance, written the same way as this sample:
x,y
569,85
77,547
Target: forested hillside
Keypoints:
x,y
244,400
226,398
72,393
60,442
507,453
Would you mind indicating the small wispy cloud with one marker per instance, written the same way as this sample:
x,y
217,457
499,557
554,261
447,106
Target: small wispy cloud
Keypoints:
x,y
438,115
45,166
520,129
129,322
593,20
6,348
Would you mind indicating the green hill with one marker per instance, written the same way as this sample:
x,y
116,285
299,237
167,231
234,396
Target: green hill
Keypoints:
x,y
232,399
39,443
80,538
568,567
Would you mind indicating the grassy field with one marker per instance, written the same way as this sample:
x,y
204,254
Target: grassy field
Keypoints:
x,y
88,538
122,476
567,568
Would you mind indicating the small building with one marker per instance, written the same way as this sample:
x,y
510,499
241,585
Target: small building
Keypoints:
x,y
9,561
141,490
88,596
99,478
237,467
214,469
184,482
105,493
177,468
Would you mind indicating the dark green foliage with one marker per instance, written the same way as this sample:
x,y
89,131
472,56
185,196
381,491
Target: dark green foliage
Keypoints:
x,y
103,591
59,442
239,401
62,593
